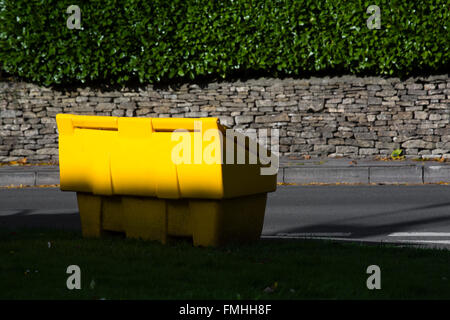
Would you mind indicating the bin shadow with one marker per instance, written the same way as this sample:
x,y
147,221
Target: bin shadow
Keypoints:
x,y
26,219
363,229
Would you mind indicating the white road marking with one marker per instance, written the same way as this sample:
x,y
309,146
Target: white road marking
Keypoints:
x,y
420,234
18,212
360,240
425,241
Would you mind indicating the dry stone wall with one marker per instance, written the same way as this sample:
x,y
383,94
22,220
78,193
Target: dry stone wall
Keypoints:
x,y
320,117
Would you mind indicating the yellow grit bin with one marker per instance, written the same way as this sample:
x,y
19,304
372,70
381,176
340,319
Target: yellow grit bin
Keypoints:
x,y
161,178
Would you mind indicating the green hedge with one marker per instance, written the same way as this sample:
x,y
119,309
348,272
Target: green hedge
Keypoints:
x,y
167,40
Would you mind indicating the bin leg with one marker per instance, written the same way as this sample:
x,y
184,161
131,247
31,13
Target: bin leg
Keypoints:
x,y
178,218
112,213
145,218
243,217
206,220
220,222
90,207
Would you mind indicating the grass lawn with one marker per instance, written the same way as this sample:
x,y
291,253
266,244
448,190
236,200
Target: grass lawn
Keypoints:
x,y
118,268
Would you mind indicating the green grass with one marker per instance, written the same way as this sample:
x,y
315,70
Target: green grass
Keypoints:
x,y
134,269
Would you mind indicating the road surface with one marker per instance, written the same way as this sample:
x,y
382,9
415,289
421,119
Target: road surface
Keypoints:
x,y
398,214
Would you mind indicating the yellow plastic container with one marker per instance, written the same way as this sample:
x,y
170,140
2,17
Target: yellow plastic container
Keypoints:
x,y
148,179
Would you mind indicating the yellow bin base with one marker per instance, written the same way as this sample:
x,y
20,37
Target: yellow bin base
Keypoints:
x,y
207,222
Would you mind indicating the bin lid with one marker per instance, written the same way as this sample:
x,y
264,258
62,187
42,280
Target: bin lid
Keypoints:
x,y
159,157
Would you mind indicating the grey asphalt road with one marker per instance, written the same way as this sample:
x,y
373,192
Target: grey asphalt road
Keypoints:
x,y
404,215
